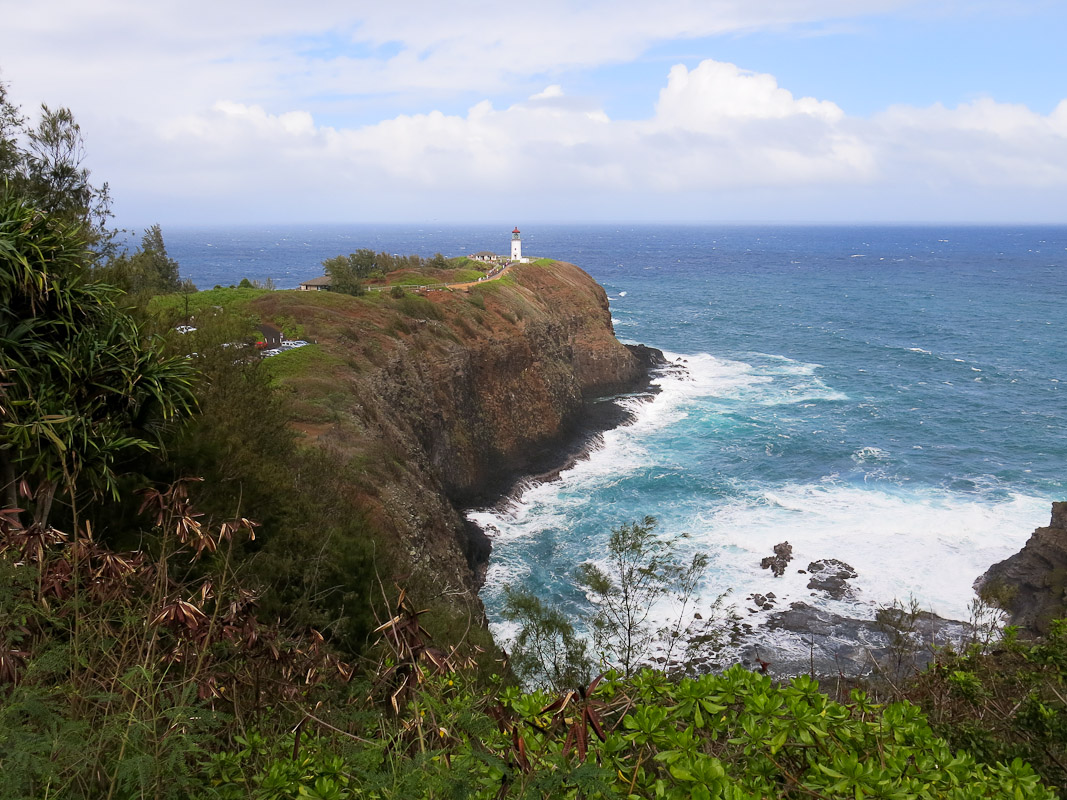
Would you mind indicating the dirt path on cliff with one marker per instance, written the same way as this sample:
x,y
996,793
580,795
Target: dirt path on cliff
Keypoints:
x,y
469,284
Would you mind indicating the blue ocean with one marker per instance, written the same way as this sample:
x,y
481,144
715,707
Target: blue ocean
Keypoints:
x,y
892,397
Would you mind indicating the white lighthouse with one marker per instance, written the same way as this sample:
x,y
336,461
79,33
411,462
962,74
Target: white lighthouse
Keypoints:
x,y
516,246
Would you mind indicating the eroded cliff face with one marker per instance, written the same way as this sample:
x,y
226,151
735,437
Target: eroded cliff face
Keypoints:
x,y
436,398
1032,584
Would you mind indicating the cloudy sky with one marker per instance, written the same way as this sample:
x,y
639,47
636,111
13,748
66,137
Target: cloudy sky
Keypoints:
x,y
557,110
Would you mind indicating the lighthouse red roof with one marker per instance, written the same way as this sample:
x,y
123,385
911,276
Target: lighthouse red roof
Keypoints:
x,y
515,231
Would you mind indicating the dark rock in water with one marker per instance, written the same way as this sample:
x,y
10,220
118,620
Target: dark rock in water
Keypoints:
x,y
1032,584
831,576
648,357
783,554
762,602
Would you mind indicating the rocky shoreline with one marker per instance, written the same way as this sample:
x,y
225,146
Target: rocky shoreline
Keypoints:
x,y
1030,587
808,638
598,415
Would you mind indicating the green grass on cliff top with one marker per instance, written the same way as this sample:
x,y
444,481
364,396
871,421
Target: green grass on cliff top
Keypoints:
x,y
299,362
434,277
180,305
176,304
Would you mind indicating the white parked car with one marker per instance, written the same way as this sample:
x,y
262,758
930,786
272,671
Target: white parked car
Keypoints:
x,y
272,352
291,344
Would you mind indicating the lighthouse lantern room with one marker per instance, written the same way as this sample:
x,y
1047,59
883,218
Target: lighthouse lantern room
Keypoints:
x,y
516,246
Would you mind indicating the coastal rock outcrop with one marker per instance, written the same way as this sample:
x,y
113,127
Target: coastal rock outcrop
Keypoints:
x,y
1032,584
783,554
831,576
503,402
897,641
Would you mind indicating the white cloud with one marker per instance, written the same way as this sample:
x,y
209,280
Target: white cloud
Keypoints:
x,y
726,126
553,91
979,143
208,110
716,128
716,93
154,56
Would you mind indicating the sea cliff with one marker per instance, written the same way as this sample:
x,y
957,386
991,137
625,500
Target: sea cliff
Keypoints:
x,y
444,398
1031,585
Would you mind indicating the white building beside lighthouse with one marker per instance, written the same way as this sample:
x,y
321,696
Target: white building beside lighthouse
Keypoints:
x,y
516,246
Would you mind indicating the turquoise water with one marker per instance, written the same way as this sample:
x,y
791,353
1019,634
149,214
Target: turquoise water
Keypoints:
x,y
892,397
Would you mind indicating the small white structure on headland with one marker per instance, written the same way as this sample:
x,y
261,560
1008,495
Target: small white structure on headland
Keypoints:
x,y
319,284
516,246
492,258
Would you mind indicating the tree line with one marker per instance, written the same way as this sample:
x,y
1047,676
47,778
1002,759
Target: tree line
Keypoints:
x,y
348,273
43,163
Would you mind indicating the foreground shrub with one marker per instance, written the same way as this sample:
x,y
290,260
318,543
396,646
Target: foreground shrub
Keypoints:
x,y
119,671
736,735
1003,702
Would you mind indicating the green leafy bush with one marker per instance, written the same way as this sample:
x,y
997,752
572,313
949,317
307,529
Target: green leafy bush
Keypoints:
x,y
1004,701
736,735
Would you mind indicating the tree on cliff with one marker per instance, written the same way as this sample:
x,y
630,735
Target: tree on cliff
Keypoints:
x,y
546,652
149,271
45,163
80,387
641,567
344,275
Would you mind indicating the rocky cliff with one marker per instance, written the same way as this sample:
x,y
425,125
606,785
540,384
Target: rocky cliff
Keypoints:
x,y
1032,584
437,399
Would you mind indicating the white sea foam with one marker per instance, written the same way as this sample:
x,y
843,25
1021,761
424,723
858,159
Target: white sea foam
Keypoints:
x,y
783,382
867,454
930,545
624,450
